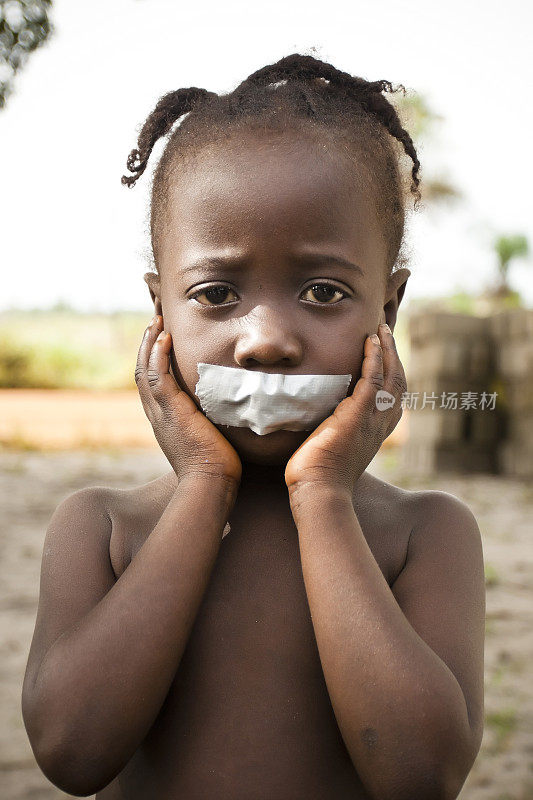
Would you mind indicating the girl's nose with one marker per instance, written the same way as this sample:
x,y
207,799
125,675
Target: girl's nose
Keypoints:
x,y
267,339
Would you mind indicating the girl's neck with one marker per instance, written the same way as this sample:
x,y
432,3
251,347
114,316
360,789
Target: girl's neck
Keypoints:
x,y
262,474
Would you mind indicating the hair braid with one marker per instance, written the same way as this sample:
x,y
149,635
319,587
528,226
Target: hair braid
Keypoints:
x,y
297,89
367,93
387,114
168,109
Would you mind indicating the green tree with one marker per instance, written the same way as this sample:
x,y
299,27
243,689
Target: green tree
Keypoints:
x,y
422,123
508,248
24,26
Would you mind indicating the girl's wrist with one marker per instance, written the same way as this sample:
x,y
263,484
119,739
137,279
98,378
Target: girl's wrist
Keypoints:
x,y
310,497
212,484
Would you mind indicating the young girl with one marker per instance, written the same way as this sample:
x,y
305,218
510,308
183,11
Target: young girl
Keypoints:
x,y
266,621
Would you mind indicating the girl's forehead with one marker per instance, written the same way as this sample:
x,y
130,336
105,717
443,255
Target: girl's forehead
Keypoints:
x,y
302,189
296,166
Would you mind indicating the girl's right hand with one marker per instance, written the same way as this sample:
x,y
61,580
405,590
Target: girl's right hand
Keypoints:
x,y
190,441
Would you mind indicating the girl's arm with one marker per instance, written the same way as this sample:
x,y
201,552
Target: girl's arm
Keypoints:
x,y
403,665
105,651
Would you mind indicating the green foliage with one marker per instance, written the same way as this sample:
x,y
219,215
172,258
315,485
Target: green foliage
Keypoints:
x,y
491,576
62,349
24,26
507,248
422,123
41,367
461,302
503,723
415,113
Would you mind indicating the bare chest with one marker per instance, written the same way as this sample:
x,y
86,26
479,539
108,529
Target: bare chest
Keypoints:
x,y
249,706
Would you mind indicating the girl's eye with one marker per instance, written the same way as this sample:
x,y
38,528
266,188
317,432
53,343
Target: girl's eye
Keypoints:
x,y
324,291
216,294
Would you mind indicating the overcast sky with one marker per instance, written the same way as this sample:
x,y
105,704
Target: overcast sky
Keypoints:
x,y
71,231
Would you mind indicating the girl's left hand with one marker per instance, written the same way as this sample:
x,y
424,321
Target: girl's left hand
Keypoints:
x,y
338,451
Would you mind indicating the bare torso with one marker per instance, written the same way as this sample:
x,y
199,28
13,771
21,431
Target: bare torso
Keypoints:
x,y
248,715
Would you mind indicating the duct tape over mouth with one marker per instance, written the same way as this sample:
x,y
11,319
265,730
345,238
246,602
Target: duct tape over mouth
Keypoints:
x,y
267,402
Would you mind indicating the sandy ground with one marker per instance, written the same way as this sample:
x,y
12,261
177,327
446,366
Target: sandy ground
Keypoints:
x,y
33,483
63,419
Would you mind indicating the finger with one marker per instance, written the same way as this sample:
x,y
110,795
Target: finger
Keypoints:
x,y
359,407
364,391
394,381
161,382
372,367
141,366
149,336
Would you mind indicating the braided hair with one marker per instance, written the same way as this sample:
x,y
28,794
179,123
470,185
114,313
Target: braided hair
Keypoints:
x,y
298,92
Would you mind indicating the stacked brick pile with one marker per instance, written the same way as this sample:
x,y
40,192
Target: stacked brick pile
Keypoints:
x,y
513,333
470,393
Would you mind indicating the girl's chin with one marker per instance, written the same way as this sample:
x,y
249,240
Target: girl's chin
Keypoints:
x,y
270,448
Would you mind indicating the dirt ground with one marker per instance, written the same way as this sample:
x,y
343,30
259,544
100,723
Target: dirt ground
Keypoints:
x,y
33,483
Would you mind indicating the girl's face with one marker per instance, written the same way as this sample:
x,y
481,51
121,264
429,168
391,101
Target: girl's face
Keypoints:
x,y
272,259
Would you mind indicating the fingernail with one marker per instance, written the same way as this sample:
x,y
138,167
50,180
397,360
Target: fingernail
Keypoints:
x,y
375,338
154,320
386,327
161,336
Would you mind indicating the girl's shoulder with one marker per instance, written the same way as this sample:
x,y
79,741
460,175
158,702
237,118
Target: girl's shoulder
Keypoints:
x,y
425,525
421,509
134,513
437,510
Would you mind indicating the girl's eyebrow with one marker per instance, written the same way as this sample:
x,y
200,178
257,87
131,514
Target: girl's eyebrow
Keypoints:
x,y
216,262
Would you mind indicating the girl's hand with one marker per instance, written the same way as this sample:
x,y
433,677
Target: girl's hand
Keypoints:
x,y
187,437
338,451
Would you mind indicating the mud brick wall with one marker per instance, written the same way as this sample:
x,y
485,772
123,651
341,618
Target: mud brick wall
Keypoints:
x,y
466,356
513,333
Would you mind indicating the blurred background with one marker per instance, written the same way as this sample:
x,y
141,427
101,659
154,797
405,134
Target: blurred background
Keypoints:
x,y
76,82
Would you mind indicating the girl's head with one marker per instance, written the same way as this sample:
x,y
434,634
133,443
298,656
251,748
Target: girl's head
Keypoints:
x,y
277,219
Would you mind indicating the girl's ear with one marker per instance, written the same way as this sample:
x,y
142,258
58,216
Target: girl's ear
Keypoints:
x,y
396,284
153,281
